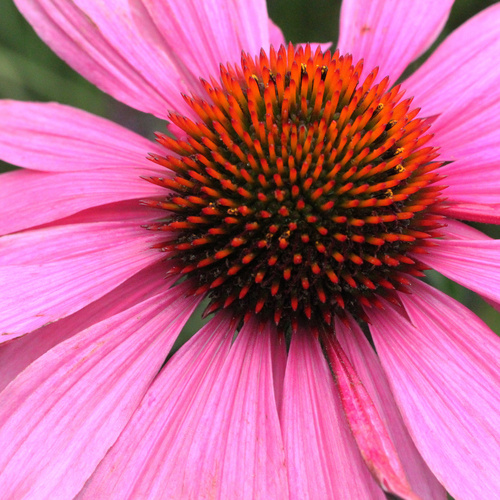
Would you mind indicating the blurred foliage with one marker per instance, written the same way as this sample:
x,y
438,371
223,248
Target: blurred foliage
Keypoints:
x,y
30,71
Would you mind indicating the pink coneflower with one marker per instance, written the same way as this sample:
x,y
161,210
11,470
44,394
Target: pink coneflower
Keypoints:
x,y
301,193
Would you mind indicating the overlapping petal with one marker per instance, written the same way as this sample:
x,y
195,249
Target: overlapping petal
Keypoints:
x,y
52,289
323,460
161,430
457,230
443,368
486,213
76,399
390,34
52,244
474,264
368,428
19,353
203,35
459,79
473,177
146,53
458,86
53,137
101,42
367,366
33,198
207,427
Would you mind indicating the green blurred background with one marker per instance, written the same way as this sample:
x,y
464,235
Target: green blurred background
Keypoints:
x,y
30,71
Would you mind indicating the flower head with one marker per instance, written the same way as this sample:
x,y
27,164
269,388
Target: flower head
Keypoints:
x,y
302,194
299,191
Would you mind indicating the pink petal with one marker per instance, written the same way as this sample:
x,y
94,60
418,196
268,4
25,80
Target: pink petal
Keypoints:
x,y
245,436
474,264
459,80
202,35
33,295
160,432
53,137
369,430
238,450
444,373
367,365
127,211
59,243
250,22
456,230
62,414
488,213
207,428
459,86
390,34
279,357
323,459
101,42
17,354
473,177
33,198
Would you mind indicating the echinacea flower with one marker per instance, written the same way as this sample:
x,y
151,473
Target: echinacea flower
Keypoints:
x,y
302,194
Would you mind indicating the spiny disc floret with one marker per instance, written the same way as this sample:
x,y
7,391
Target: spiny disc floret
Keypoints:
x,y
300,191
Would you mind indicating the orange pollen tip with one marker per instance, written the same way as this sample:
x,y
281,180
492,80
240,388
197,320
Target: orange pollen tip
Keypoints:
x,y
299,189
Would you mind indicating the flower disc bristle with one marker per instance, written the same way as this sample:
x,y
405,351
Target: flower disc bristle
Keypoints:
x,y
300,191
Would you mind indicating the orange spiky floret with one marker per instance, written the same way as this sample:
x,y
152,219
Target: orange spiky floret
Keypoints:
x,y
300,190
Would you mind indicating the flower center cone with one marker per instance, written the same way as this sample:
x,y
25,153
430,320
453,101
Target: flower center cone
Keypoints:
x,y
300,191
